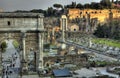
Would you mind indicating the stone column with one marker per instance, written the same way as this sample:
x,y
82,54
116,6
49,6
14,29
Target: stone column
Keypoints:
x,y
88,23
48,36
90,42
53,32
63,26
63,34
24,61
40,44
23,44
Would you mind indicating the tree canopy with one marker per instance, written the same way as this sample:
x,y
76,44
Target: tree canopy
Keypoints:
x,y
57,6
109,30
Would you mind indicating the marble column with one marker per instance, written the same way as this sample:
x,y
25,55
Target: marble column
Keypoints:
x,y
53,35
63,31
48,37
23,44
63,26
90,42
24,61
40,44
53,32
88,23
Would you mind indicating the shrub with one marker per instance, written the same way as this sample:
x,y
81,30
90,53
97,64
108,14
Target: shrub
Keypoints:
x,y
16,44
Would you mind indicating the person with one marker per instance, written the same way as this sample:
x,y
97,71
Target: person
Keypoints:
x,y
39,73
10,72
6,72
3,73
7,76
4,76
21,73
13,65
44,72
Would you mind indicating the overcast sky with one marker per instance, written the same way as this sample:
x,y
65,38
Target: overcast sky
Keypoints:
x,y
11,5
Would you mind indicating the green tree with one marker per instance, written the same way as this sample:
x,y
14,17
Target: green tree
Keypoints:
x,y
49,11
106,3
3,46
72,5
37,11
57,6
95,5
80,6
58,10
87,6
99,32
109,30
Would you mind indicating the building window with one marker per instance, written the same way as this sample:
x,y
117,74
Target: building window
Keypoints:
x,y
8,23
95,12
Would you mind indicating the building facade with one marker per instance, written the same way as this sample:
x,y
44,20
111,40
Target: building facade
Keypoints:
x,y
101,15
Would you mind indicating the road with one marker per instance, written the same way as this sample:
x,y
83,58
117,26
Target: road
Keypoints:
x,y
14,64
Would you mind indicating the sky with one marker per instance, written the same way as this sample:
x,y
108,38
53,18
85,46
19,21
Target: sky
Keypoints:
x,y
12,5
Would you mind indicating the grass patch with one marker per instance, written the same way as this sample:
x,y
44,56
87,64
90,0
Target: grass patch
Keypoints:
x,y
107,42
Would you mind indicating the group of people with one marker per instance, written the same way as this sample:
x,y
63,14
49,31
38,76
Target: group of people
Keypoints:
x,y
8,69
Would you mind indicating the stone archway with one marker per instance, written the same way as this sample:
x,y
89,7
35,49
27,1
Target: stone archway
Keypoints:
x,y
15,42
28,30
27,41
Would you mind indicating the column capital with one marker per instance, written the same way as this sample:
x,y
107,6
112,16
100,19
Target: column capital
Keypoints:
x,y
23,34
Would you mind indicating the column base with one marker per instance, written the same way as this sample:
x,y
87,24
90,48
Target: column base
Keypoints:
x,y
24,65
25,68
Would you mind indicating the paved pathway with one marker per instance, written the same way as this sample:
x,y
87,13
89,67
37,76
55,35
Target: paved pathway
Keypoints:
x,y
12,54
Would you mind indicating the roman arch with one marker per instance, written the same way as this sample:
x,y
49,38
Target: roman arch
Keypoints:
x,y
28,30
